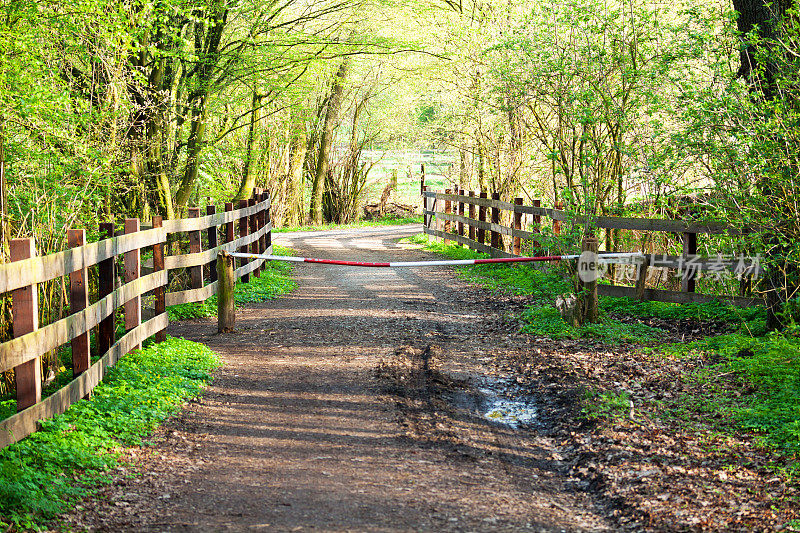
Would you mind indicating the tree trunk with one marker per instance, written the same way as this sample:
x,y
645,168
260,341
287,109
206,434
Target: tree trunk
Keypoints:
x,y
323,160
193,149
248,181
3,194
765,17
295,188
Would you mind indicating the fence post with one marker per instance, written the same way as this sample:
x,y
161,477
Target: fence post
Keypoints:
x,y
244,224
641,278
160,292
253,228
689,248
230,236
482,218
78,301
268,220
226,312
105,286
590,313
425,218
471,229
537,222
213,242
448,209
497,240
195,246
557,223
133,307
25,305
461,213
518,227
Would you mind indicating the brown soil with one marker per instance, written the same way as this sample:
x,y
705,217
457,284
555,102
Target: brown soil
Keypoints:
x,y
301,428
351,405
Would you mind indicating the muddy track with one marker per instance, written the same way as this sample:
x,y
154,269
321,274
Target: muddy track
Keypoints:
x,y
351,405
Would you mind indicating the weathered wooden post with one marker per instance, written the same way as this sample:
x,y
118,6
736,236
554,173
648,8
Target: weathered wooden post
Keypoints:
x,y
537,223
482,218
589,293
105,286
254,228
424,209
213,242
641,277
557,223
461,213
25,305
689,250
471,229
244,225
78,301
268,220
226,311
518,227
195,246
160,292
497,239
229,230
448,209
133,307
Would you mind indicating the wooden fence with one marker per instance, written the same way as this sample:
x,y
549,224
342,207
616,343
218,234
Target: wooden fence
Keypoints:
x,y
474,221
21,276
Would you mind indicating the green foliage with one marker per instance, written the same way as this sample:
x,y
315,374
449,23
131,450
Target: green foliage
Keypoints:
x,y
547,322
48,471
274,281
766,392
601,405
543,285
711,311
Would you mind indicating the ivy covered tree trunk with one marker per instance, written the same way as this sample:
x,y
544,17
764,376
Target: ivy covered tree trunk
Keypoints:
x,y
760,24
248,172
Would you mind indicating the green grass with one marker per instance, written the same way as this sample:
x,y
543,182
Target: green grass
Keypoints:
x,y
359,224
73,454
274,281
751,383
600,405
543,285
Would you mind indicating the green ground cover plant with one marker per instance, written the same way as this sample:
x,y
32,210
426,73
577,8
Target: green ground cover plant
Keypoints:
x,y
545,283
750,382
274,281
74,453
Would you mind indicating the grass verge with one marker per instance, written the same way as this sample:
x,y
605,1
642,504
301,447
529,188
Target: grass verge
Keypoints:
x,y
47,472
274,281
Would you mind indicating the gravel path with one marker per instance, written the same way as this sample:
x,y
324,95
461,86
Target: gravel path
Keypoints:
x,y
310,426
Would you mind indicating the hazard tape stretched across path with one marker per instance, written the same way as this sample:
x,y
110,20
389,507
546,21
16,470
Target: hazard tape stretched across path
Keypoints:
x,y
618,258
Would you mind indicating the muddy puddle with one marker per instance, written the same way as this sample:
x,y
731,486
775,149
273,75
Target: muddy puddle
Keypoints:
x,y
501,401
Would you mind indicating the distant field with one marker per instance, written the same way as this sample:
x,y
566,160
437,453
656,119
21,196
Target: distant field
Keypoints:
x,y
439,166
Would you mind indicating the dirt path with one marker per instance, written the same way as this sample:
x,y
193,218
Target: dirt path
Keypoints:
x,y
331,415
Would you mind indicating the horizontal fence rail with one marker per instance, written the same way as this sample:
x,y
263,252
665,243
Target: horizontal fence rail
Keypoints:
x,y
473,220
117,290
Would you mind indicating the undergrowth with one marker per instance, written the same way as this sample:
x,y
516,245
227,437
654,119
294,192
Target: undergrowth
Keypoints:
x,y
543,284
273,281
74,453
750,382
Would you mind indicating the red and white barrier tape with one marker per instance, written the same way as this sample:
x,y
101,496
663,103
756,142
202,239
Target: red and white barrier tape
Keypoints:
x,y
618,258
